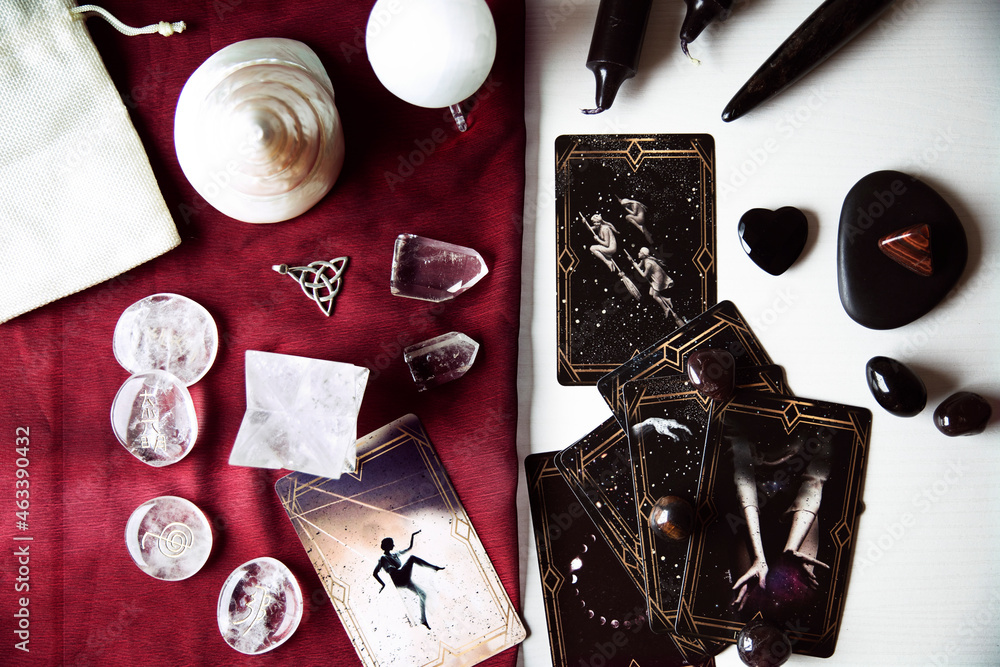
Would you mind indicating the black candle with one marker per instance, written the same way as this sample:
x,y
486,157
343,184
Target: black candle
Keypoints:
x,y
615,46
827,29
700,13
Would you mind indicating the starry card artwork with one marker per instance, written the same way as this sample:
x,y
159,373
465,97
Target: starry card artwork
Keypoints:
x,y
721,327
635,245
399,558
777,509
598,470
593,613
668,420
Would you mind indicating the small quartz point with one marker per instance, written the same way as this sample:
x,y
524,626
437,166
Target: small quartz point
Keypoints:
x,y
302,414
440,359
430,270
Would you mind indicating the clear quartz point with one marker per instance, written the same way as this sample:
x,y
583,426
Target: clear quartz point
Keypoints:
x,y
440,359
302,414
430,270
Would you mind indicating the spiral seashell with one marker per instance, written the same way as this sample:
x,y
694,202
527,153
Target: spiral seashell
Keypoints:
x,y
256,130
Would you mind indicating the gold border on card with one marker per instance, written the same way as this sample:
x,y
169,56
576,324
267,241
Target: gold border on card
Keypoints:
x,y
634,151
792,413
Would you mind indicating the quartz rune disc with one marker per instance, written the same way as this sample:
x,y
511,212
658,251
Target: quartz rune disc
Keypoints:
x,y
153,417
167,332
260,606
169,538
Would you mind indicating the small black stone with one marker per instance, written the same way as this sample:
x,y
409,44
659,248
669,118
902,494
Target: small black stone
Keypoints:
x,y
774,239
896,388
876,291
962,413
763,644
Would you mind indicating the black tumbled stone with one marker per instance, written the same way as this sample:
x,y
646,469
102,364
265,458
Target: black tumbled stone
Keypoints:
x,y
962,413
875,290
896,388
763,644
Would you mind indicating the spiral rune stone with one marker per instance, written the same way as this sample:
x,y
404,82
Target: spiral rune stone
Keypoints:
x,y
320,281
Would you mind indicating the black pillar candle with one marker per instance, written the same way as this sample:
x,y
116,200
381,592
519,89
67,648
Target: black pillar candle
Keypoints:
x,y
827,29
615,46
700,13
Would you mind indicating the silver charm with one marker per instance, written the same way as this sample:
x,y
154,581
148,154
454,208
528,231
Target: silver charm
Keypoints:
x,y
320,280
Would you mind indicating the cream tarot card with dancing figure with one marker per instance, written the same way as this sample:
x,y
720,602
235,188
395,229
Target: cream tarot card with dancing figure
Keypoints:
x,y
399,558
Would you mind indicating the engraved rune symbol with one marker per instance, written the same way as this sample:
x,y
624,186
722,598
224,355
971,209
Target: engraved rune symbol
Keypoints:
x,y
151,437
175,539
258,614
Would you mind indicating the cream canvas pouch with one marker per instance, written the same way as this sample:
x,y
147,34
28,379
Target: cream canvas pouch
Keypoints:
x,y
78,200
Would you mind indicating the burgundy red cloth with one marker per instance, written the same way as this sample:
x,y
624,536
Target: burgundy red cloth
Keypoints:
x,y
407,170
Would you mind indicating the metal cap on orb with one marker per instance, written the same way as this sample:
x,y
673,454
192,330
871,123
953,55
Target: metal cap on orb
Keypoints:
x,y
432,53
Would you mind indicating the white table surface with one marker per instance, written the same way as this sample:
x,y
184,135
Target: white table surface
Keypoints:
x,y
918,92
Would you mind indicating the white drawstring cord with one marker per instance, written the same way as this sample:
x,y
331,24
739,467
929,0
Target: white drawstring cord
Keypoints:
x,y
163,27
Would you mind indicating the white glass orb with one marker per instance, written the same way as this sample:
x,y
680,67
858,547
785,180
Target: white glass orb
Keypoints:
x,y
431,53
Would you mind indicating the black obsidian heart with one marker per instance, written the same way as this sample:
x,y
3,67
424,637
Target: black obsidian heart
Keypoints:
x,y
878,291
896,388
774,239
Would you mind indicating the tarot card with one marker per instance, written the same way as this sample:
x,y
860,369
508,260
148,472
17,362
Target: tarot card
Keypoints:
x,y
400,560
635,244
594,615
722,326
668,422
776,521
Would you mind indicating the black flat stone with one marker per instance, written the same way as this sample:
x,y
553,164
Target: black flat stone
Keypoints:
x,y
876,291
896,388
774,239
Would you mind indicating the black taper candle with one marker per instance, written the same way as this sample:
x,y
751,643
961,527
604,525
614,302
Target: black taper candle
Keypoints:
x,y
700,13
835,23
615,47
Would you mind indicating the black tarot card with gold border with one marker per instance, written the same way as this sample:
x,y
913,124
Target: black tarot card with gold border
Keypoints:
x,y
778,503
668,420
721,327
594,615
635,244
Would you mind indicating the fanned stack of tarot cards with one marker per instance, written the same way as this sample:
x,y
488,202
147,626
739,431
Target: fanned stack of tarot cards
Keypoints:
x,y
774,482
